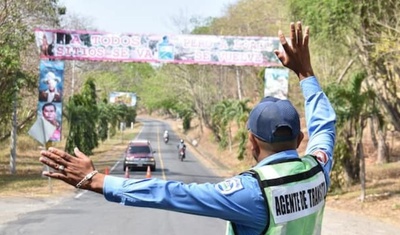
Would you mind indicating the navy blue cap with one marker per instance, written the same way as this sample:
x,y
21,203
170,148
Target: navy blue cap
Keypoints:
x,y
269,115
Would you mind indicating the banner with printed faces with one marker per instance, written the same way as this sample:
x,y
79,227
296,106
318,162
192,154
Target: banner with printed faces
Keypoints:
x,y
276,82
127,98
51,80
182,49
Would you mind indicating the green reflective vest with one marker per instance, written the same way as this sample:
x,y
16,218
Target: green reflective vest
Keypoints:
x,y
295,192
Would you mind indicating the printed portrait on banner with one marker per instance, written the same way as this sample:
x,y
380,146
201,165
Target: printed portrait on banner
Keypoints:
x,y
51,80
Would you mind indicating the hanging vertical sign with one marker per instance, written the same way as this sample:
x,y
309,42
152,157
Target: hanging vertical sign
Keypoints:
x,y
276,82
50,96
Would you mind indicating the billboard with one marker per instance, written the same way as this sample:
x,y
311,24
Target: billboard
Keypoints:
x,y
127,98
181,49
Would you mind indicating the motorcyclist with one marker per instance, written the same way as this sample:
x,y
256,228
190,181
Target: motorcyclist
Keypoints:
x,y
180,146
166,135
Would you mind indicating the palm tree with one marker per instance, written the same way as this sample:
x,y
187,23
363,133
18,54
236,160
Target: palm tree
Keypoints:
x,y
223,114
242,114
354,104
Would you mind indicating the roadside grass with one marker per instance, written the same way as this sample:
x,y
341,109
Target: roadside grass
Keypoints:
x,y
28,180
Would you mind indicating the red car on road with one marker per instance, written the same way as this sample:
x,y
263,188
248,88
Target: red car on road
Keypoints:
x,y
139,154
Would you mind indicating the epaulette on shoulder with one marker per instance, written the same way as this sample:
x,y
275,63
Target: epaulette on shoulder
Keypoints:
x,y
251,172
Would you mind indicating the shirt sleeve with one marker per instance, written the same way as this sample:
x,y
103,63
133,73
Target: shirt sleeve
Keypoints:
x,y
238,199
321,120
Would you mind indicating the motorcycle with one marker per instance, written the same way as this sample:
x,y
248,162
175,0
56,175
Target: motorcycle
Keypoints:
x,y
182,154
166,139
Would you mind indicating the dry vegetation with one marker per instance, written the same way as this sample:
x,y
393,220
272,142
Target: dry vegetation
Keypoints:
x,y
383,187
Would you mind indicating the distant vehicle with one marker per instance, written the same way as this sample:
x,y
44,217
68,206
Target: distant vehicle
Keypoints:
x,y
182,153
166,136
139,154
181,150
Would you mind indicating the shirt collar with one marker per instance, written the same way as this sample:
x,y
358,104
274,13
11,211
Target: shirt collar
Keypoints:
x,y
284,155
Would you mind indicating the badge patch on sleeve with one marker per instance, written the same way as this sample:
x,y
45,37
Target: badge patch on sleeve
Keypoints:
x,y
321,155
229,186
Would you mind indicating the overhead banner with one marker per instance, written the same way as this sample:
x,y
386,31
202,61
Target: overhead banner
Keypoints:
x,y
181,49
51,82
127,98
276,82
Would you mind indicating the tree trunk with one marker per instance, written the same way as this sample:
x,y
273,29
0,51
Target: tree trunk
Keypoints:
x,y
382,152
21,124
230,138
350,162
360,155
372,124
379,135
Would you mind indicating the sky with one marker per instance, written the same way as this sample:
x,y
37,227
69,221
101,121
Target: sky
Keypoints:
x,y
143,16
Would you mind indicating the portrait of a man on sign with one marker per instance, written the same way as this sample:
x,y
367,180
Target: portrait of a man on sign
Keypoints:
x,y
52,88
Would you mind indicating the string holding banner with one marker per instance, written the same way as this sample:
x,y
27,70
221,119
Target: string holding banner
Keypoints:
x,y
180,49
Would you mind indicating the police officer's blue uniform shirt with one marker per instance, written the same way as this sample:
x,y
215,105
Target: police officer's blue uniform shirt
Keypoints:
x,y
238,199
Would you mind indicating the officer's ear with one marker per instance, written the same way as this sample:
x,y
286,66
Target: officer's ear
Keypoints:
x,y
254,147
300,138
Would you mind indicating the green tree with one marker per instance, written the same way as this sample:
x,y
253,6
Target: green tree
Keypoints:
x,y
15,75
222,116
82,115
354,104
111,115
105,117
360,35
159,94
241,117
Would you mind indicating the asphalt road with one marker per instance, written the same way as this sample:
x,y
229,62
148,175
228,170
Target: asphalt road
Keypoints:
x,y
88,213
18,214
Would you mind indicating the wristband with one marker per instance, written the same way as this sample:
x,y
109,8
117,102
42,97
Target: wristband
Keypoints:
x,y
86,178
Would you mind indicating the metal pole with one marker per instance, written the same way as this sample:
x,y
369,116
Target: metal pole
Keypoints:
x,y
73,77
239,86
13,150
47,146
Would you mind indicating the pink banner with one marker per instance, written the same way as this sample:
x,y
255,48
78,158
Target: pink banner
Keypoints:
x,y
182,49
